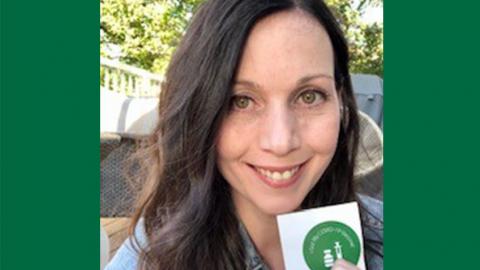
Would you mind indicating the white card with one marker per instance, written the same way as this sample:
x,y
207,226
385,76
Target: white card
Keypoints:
x,y
313,239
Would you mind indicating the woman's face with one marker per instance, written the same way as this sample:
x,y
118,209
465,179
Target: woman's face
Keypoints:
x,y
282,128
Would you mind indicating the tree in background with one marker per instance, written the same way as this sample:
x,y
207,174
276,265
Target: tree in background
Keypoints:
x,y
146,32
365,40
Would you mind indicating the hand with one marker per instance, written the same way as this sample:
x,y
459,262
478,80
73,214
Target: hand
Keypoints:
x,y
344,265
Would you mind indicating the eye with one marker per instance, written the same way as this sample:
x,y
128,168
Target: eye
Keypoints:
x,y
311,97
241,102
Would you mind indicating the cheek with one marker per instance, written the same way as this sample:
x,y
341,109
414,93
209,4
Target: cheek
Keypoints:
x,y
321,135
231,146
233,142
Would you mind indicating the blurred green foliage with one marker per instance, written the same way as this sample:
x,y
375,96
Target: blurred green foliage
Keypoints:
x,y
146,32
365,41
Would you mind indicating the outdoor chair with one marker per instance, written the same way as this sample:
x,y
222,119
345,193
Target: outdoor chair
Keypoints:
x,y
124,122
116,192
369,160
368,91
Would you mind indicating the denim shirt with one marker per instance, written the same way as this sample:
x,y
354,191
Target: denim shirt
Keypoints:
x,y
371,212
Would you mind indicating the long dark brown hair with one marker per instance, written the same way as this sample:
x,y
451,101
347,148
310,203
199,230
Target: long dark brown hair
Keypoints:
x,y
186,203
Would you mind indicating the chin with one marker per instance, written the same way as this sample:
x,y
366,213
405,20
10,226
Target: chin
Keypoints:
x,y
281,206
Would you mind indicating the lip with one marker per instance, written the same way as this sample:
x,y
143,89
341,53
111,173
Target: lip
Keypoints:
x,y
277,185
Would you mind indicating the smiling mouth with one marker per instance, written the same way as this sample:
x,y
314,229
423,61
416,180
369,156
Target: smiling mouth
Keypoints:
x,y
279,177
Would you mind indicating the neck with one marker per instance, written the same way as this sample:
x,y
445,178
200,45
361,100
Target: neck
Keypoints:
x,y
263,231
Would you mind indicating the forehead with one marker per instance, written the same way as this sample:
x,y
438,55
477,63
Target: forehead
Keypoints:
x,y
286,46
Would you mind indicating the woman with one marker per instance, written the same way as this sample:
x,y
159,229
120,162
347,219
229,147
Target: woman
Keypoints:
x,y
257,118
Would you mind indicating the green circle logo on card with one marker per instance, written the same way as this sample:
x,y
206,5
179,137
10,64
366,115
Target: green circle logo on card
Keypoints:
x,y
329,241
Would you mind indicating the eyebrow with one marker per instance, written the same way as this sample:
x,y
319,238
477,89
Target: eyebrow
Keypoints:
x,y
300,81
308,78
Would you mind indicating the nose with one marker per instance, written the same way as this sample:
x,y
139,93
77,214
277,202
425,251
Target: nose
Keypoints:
x,y
280,133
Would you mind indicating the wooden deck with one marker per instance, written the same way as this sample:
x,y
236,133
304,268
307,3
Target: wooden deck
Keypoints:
x,y
117,231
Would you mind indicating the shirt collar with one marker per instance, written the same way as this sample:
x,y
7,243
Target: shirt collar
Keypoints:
x,y
254,261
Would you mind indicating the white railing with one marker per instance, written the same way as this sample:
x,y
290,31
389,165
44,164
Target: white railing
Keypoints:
x,y
129,80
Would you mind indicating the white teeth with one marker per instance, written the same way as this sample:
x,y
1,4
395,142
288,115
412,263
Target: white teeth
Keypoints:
x,y
278,176
286,175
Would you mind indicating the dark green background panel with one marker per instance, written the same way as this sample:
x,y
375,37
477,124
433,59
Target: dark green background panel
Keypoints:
x,y
49,135
431,135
